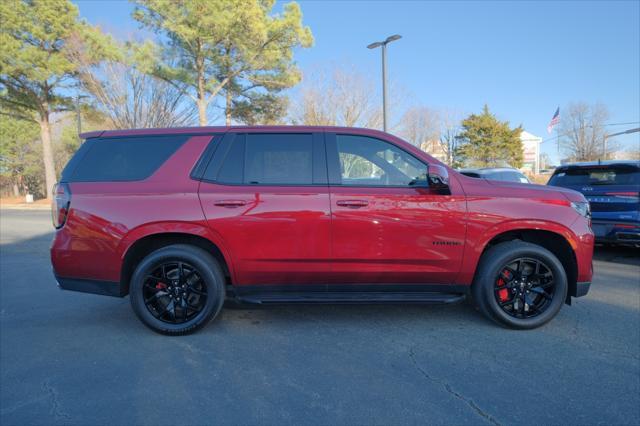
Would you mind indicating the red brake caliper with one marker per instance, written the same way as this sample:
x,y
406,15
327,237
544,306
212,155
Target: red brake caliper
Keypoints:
x,y
503,294
160,285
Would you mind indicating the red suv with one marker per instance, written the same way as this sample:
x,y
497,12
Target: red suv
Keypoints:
x,y
179,219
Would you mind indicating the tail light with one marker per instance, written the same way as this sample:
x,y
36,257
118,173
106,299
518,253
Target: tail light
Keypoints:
x,y
626,194
60,204
625,226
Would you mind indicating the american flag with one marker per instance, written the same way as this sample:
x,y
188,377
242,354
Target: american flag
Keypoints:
x,y
554,121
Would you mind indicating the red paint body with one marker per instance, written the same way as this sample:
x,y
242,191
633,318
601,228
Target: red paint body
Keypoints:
x,y
303,235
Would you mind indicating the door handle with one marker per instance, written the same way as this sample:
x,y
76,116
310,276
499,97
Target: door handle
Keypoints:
x,y
352,203
230,203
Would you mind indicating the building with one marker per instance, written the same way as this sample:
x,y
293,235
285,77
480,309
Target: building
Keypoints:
x,y
531,152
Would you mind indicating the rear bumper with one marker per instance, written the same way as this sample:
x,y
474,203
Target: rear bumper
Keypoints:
x,y
608,231
105,288
582,288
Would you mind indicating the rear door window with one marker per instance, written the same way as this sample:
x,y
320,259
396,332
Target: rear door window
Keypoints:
x,y
279,159
122,159
270,159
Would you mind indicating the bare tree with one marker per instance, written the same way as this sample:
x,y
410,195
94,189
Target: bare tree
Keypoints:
x,y
434,131
421,126
344,98
131,99
339,98
450,122
582,132
632,153
128,97
545,160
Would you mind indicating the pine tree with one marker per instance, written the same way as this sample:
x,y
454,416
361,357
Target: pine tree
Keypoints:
x,y
35,65
488,142
235,49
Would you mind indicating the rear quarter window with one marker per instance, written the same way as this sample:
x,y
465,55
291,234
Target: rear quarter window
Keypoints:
x,y
121,159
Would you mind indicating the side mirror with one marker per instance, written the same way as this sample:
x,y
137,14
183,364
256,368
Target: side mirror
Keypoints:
x,y
439,179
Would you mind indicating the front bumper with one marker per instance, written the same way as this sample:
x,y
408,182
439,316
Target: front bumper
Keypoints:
x,y
607,231
582,288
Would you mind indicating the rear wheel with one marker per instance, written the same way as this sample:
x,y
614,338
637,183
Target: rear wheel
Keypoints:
x,y
520,285
177,289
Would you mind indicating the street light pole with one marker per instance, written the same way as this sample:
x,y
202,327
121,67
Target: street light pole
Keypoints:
x,y
384,87
383,44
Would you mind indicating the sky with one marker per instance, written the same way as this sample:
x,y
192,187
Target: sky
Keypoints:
x,y
522,59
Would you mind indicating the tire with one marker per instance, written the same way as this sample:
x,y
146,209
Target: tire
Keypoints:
x,y
497,264
177,289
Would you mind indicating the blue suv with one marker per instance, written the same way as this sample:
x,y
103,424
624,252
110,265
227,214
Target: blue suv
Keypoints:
x,y
613,191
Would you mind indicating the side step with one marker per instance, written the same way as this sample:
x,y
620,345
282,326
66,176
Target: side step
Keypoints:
x,y
352,297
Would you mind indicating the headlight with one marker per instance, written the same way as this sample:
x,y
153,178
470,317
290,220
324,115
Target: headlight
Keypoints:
x,y
582,208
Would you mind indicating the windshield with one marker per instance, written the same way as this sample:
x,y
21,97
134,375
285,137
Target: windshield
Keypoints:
x,y
592,176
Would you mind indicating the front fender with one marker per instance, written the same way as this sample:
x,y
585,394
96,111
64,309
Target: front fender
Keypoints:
x,y
477,243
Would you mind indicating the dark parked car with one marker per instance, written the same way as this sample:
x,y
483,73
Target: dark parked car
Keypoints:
x,y
506,174
613,190
179,219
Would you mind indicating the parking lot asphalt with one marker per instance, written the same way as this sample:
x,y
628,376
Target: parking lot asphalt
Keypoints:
x,y
79,359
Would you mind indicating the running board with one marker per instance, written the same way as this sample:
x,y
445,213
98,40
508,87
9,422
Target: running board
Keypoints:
x,y
352,297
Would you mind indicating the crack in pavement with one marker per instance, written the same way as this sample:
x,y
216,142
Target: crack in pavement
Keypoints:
x,y
488,417
56,410
194,350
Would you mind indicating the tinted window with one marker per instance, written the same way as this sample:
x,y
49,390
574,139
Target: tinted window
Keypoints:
x,y
590,176
366,161
232,169
124,159
278,159
205,158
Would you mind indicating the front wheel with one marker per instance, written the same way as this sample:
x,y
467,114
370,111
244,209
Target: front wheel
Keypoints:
x,y
177,289
520,285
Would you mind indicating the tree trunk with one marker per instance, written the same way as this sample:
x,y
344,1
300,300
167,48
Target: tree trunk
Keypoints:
x,y
202,111
227,110
16,190
47,152
201,93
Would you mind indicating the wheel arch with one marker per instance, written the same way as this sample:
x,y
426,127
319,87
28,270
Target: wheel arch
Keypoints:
x,y
555,242
142,244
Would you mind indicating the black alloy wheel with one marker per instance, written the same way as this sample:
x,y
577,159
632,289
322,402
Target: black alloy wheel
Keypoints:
x,y
177,289
520,284
525,287
174,292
